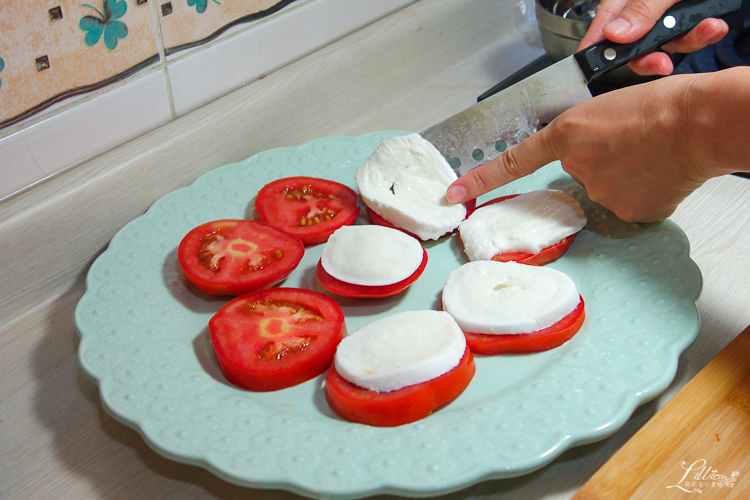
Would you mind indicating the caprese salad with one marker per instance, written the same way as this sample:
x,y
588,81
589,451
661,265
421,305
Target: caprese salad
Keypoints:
x,y
512,308
531,228
405,366
370,261
399,369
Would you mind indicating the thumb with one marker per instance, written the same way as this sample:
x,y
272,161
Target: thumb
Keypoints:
x,y
519,161
635,19
606,10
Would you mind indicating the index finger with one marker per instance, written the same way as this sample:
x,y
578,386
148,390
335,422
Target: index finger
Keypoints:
x,y
519,161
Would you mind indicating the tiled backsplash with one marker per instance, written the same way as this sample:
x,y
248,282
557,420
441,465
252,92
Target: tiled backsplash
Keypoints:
x,y
55,50
77,79
188,24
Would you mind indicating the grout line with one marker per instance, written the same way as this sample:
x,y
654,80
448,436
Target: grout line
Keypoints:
x,y
162,55
168,84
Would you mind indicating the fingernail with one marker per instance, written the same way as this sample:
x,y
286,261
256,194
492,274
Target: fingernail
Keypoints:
x,y
456,194
617,26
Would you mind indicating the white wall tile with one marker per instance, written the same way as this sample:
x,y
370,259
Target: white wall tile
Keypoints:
x,y
223,66
99,124
17,166
90,125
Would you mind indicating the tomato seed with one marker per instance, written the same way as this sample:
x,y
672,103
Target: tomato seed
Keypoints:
x,y
265,261
317,217
295,312
271,351
306,193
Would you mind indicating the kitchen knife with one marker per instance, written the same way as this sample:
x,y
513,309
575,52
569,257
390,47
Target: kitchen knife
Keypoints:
x,y
481,132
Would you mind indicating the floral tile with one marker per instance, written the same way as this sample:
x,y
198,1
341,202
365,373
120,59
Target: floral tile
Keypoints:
x,y
186,23
53,50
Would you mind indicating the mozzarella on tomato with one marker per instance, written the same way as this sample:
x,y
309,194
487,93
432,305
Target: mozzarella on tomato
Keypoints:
x,y
404,181
508,298
527,223
371,255
399,350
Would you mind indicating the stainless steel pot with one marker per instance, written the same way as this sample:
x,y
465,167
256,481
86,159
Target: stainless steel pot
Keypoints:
x,y
563,23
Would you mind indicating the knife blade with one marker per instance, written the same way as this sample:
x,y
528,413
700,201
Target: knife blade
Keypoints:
x,y
483,131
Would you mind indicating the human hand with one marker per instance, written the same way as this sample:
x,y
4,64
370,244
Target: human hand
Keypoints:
x,y
625,147
625,21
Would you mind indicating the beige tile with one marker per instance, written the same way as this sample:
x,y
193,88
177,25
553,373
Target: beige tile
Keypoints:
x,y
186,24
47,59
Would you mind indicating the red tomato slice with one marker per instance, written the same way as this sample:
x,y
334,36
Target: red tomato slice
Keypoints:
x,y
232,257
402,406
307,207
374,218
335,285
276,338
544,256
526,343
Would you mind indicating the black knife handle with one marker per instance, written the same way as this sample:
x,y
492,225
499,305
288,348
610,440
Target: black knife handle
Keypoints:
x,y
678,20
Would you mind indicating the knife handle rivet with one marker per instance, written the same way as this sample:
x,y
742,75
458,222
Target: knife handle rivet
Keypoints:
x,y
610,54
455,163
669,22
477,154
500,146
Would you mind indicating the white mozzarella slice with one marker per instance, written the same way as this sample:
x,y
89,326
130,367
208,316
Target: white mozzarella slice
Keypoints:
x,y
371,255
399,350
527,223
508,298
404,181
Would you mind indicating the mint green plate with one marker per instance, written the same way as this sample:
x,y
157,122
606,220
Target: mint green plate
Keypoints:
x,y
144,341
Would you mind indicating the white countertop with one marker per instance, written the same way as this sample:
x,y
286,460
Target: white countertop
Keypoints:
x,y
406,72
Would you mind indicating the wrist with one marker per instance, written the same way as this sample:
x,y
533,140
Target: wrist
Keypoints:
x,y
669,112
717,118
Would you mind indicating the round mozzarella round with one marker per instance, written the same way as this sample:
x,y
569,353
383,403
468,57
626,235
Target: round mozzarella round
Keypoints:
x,y
399,350
371,255
527,223
404,181
508,298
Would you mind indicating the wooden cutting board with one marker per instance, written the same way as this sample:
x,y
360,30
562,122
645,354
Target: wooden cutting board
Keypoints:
x,y
692,447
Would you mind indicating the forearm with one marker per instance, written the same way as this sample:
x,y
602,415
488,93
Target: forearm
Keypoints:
x,y
717,121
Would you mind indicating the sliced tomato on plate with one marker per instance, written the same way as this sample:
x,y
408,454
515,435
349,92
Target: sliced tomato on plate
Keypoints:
x,y
544,256
401,406
308,208
232,257
276,338
335,285
375,218
527,343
